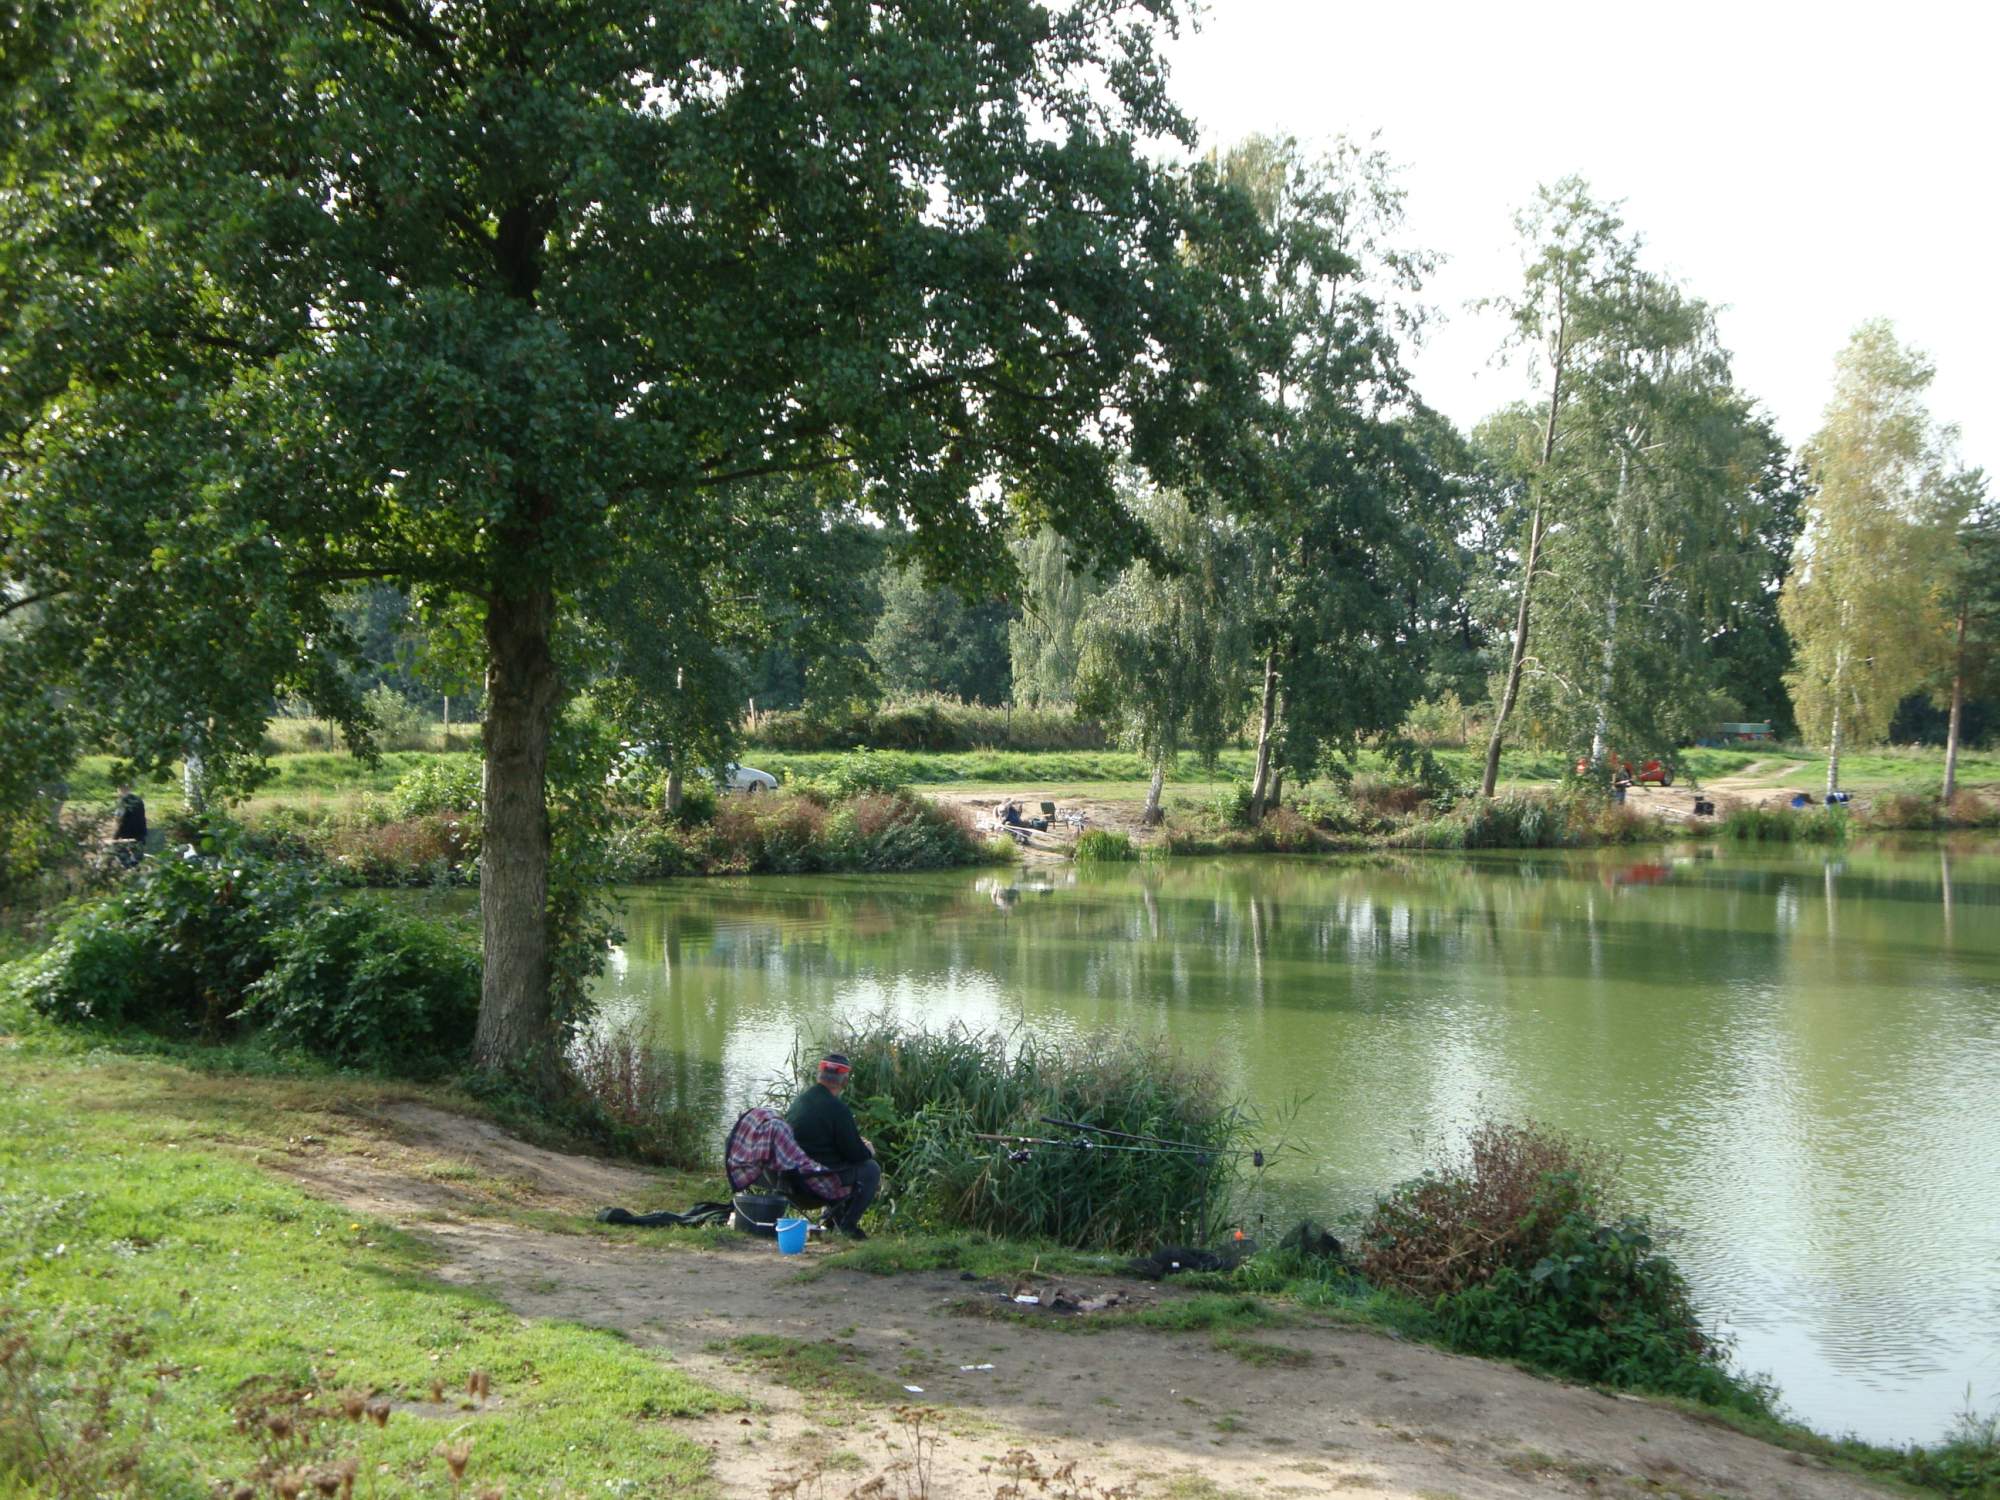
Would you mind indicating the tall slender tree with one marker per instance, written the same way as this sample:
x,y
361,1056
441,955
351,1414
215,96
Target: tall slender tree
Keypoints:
x,y
1564,318
1863,601
1971,597
1660,478
1351,530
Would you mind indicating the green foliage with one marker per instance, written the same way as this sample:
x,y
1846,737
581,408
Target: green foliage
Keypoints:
x,y
929,640
1862,603
1057,591
1232,806
367,984
576,393
801,831
1601,1305
1533,820
441,784
217,946
399,724
928,722
1159,653
857,773
1966,1465
1513,1245
1103,846
1350,539
1784,825
922,1096
191,930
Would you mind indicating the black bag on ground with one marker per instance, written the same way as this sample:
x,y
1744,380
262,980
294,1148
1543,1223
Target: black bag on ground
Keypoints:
x,y
701,1213
1168,1260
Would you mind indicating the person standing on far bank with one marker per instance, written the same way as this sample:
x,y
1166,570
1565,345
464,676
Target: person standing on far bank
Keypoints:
x,y
824,1127
129,836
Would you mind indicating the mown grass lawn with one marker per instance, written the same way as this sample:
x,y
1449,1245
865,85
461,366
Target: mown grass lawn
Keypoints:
x,y
140,1249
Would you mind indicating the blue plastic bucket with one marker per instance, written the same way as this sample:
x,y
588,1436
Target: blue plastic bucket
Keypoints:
x,y
791,1236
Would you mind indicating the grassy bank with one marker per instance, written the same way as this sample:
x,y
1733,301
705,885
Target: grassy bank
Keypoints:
x,y
180,1323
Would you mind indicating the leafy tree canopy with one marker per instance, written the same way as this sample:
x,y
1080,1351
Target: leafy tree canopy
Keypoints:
x,y
516,305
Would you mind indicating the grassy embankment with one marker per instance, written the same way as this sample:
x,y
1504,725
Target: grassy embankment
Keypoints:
x,y
234,1326
144,1236
352,816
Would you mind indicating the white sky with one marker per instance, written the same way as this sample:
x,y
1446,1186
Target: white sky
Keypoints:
x,y
1802,166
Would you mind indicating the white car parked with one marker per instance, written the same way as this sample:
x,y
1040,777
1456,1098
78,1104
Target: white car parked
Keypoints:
x,y
734,778
745,779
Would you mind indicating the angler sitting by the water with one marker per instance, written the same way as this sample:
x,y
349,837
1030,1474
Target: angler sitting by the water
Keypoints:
x,y
824,1127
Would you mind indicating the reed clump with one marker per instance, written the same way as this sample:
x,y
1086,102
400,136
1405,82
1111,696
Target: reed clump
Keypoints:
x,y
1786,825
927,1097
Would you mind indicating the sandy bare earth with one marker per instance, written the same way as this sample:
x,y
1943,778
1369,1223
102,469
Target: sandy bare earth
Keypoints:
x,y
1115,1415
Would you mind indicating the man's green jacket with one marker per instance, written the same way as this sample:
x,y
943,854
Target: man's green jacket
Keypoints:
x,y
825,1128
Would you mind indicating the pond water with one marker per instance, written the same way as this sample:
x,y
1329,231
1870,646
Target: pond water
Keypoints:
x,y
1798,1055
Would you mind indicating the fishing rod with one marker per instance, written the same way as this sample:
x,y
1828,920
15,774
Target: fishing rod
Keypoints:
x,y
1158,1141
1082,1145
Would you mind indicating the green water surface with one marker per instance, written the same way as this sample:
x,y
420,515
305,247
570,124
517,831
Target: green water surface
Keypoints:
x,y
1798,1056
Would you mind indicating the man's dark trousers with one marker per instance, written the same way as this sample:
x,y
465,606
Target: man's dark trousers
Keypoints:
x,y
865,1177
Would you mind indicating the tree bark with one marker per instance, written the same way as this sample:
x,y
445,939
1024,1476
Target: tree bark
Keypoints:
x,y
1558,363
1957,711
522,690
1833,752
674,791
1151,815
1599,739
1490,778
1260,786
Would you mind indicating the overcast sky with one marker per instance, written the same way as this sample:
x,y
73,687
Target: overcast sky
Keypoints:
x,y
1805,167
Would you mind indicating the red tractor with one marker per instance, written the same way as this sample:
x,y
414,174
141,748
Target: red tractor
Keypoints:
x,y
1655,772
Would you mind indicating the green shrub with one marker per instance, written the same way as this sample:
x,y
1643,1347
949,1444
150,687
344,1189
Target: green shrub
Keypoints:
x,y
370,985
1765,824
217,946
924,1096
930,722
1231,805
1514,1246
195,924
443,784
860,772
699,800
899,831
1104,845
399,723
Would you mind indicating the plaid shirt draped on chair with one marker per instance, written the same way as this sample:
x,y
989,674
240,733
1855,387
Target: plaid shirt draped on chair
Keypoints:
x,y
762,1146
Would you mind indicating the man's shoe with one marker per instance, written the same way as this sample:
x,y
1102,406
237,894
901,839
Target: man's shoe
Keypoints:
x,y
857,1233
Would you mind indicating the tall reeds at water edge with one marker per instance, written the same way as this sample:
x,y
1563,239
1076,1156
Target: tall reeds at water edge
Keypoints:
x,y
926,1096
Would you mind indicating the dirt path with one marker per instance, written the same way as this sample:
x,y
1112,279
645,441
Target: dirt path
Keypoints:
x,y
1307,1408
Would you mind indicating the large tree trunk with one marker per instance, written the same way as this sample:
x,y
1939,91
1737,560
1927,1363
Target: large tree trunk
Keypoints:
x,y
1833,752
675,791
522,690
1151,815
1957,711
1519,655
1260,786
